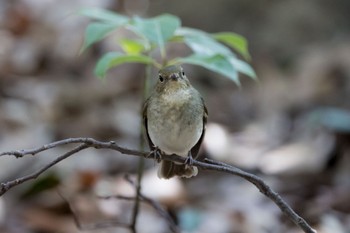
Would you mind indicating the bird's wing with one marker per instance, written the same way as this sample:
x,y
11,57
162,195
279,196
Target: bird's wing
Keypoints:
x,y
195,148
144,116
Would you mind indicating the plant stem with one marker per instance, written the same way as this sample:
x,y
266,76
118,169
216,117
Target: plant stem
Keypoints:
x,y
141,165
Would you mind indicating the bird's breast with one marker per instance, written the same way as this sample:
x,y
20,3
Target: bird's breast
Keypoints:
x,y
175,123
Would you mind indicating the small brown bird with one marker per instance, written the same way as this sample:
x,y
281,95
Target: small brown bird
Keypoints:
x,y
175,117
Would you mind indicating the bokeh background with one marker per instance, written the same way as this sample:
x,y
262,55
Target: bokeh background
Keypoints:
x,y
292,127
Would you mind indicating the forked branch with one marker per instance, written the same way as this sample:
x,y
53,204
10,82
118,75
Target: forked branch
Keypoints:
x,y
205,165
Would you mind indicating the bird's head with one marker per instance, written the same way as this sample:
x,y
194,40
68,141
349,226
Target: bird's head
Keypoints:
x,y
172,78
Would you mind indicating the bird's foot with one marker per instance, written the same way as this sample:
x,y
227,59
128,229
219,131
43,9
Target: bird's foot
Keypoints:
x,y
189,160
157,153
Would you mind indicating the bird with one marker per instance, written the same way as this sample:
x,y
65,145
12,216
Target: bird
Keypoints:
x,y
175,118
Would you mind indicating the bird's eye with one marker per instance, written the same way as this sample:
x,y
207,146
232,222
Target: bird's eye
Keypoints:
x,y
183,73
161,79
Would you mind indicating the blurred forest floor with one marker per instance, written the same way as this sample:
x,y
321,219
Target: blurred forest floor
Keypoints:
x,y
292,127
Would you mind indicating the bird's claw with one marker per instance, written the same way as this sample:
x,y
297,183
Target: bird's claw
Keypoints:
x,y
157,153
189,160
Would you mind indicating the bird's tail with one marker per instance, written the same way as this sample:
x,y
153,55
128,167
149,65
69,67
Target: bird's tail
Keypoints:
x,y
168,169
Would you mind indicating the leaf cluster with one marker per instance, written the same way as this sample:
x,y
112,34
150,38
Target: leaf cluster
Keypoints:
x,y
211,51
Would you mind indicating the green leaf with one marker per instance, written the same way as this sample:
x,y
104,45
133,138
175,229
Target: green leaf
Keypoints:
x,y
112,59
132,46
157,30
243,67
202,43
207,49
235,41
108,21
96,32
217,63
103,15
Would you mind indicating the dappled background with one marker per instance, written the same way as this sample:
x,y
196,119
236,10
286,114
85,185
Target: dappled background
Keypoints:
x,y
292,127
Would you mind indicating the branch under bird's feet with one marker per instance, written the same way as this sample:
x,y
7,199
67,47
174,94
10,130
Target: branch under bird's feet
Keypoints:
x,y
157,153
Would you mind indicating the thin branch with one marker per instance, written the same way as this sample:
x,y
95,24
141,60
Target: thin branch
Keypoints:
x,y
115,223
94,226
136,207
141,163
155,205
206,165
21,153
263,188
163,213
10,184
90,142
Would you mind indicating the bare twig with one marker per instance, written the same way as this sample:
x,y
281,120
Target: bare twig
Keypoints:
x,y
263,188
8,185
94,226
159,209
163,213
206,165
88,141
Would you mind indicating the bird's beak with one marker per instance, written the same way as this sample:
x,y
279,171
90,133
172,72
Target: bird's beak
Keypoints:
x,y
174,77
